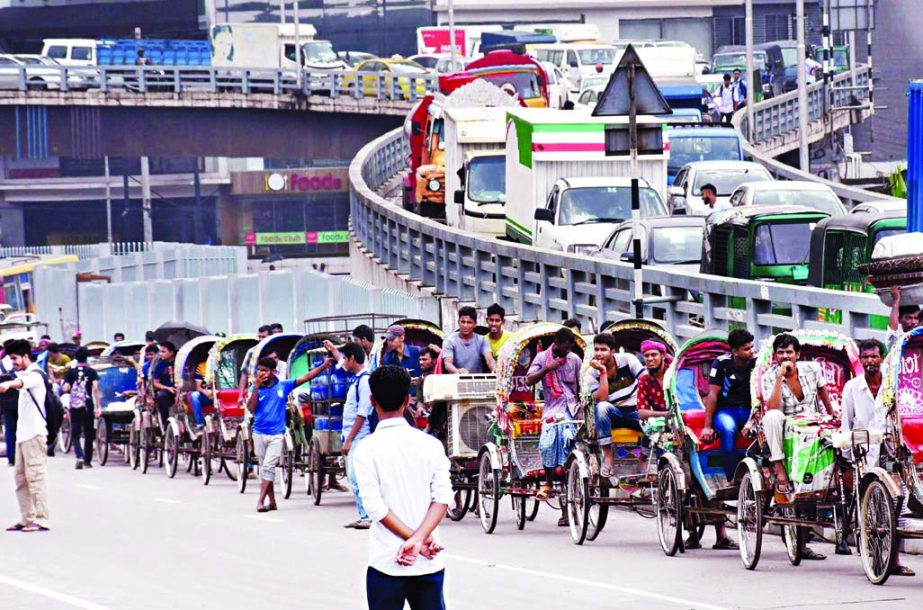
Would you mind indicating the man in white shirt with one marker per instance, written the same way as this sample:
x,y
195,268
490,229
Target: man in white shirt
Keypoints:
x,y
726,98
31,437
403,477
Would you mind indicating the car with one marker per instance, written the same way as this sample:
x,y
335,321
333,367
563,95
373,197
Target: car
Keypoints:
x,y
884,206
406,70
686,192
691,143
789,192
440,63
10,72
45,73
354,58
665,240
559,86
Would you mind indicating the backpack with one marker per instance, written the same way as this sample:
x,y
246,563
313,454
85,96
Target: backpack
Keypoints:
x,y
79,391
54,409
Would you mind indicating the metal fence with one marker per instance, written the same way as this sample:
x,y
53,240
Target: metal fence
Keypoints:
x,y
212,79
540,284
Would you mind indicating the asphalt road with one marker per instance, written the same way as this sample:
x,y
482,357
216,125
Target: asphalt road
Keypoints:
x,y
121,539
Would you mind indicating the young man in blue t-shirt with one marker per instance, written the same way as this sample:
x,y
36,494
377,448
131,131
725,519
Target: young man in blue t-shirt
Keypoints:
x,y
267,403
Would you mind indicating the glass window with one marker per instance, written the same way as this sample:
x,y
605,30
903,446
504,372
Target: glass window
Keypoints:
x,y
782,244
407,68
57,52
320,51
524,83
677,245
289,51
690,148
487,179
727,180
82,53
887,233
825,201
591,57
572,59
6,61
554,56
620,241
427,62
587,205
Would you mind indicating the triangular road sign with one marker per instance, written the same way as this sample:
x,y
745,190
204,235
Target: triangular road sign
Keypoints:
x,y
614,100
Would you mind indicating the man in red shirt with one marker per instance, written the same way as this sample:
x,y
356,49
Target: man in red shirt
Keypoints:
x,y
651,401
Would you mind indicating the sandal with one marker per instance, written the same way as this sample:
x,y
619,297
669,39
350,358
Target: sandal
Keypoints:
x,y
726,544
34,527
809,553
16,528
543,493
902,571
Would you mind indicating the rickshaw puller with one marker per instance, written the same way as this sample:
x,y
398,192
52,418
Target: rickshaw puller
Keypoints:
x,y
162,380
558,368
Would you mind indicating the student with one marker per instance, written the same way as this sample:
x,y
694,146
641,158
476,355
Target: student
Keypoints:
x,y
357,410
82,384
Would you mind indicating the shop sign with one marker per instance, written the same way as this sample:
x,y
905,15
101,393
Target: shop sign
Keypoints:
x,y
297,238
291,182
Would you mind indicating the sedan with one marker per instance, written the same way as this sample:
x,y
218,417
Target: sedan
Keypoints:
x,y
725,176
45,73
665,240
789,192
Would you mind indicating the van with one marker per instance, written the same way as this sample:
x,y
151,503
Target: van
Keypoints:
x,y
71,51
579,60
691,143
766,57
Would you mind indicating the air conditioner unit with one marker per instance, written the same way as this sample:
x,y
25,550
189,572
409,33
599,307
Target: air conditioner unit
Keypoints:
x,y
469,401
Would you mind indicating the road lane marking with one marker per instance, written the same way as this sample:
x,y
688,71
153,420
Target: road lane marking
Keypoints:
x,y
266,519
167,500
55,595
85,486
679,601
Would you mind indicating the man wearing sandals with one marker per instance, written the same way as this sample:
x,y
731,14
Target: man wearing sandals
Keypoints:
x,y
31,437
790,388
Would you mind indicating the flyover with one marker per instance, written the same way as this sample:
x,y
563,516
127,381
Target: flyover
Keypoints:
x,y
394,246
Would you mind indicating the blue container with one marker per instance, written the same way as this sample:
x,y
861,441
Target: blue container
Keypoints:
x,y
336,424
915,156
321,422
335,410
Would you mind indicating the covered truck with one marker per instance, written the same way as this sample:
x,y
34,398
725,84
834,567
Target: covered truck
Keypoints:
x,y
271,45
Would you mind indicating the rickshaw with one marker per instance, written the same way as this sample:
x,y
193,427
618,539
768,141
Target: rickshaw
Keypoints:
x,y
182,438
95,349
839,245
510,462
225,432
882,496
419,333
145,439
127,349
822,495
282,345
118,389
589,495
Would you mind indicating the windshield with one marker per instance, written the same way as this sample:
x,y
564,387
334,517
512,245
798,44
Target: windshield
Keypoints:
x,y
790,57
737,60
727,180
586,205
887,233
487,179
841,58
782,244
30,61
524,83
591,57
687,149
677,245
825,201
321,52
427,62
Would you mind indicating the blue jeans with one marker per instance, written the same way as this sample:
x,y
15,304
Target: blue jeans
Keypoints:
x,y
608,416
727,423
386,592
351,474
10,417
199,401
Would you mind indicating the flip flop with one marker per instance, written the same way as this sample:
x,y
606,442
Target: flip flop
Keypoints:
x,y
809,553
725,544
902,571
16,528
35,527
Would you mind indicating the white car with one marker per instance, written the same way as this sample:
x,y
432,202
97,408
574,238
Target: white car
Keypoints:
x,y
440,63
45,73
789,192
685,196
559,86
580,213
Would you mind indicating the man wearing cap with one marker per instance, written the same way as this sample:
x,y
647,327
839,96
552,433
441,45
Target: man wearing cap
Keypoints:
x,y
398,353
76,338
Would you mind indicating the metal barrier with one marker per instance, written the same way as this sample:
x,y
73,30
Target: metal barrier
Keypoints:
x,y
540,284
81,250
212,79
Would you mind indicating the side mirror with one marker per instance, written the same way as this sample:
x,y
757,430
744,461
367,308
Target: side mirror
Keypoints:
x,y
460,197
706,70
627,257
568,105
677,191
544,215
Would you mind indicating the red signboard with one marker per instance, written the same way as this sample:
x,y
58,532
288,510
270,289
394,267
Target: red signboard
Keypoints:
x,y
437,41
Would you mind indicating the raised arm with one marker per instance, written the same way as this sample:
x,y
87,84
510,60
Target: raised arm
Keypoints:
x,y
317,370
894,319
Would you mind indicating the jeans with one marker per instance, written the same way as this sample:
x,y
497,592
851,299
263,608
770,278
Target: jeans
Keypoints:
x,y
386,592
82,425
164,400
608,416
351,474
10,417
728,422
199,401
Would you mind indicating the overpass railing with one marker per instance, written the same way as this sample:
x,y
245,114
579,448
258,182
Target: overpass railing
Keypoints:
x,y
540,284
81,250
215,79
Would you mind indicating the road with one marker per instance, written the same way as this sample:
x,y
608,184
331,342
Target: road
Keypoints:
x,y
121,539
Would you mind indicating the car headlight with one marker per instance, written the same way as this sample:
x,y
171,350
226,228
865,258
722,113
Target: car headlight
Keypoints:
x,y
433,185
583,249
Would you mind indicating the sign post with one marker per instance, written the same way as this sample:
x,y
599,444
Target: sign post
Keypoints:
x,y
632,91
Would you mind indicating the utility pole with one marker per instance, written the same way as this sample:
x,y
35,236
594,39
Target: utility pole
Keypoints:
x,y
108,203
804,153
751,93
452,32
638,293
298,51
146,201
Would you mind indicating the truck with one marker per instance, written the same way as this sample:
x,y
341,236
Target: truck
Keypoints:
x,y
435,39
271,45
475,164
568,176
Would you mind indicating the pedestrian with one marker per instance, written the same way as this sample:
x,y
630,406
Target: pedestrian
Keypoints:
x,y
496,334
740,91
9,404
82,384
710,199
76,338
57,363
726,94
267,402
404,480
261,333
465,351
31,437
365,337
357,411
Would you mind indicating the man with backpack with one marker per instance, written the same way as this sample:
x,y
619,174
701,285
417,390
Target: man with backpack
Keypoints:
x,y
31,436
82,383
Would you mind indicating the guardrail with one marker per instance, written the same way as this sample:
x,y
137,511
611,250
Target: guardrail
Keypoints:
x,y
81,250
540,284
214,79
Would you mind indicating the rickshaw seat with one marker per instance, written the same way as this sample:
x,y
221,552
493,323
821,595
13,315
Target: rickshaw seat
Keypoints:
x,y
688,394
912,431
626,436
227,401
695,421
